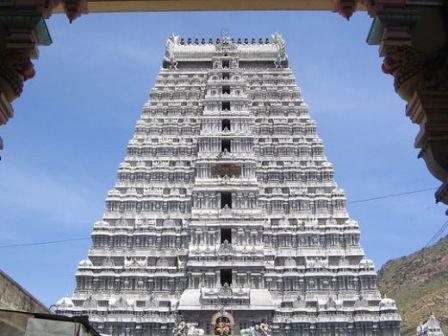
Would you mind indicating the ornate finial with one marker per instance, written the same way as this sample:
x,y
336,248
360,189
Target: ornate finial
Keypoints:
x,y
172,41
281,46
225,33
225,42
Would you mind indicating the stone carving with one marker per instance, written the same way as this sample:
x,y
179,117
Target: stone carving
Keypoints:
x,y
251,331
194,331
430,328
278,40
406,64
187,329
90,302
225,44
108,262
225,294
290,262
225,247
436,71
181,329
265,329
223,327
172,41
262,329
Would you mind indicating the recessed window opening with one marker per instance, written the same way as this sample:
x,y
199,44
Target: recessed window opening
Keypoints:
x,y
226,235
225,75
226,199
225,89
222,170
225,123
226,64
226,276
225,145
225,106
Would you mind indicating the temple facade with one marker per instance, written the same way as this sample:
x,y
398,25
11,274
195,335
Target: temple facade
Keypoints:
x,y
226,209
430,328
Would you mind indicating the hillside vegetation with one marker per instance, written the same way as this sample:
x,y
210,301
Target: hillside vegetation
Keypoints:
x,y
419,284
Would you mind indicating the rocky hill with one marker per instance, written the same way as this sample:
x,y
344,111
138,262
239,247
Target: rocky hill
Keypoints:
x,y
419,284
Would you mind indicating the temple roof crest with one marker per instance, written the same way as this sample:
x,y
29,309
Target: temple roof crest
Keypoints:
x,y
172,41
225,44
180,49
281,46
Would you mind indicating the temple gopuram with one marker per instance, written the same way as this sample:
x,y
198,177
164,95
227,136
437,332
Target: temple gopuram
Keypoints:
x,y
225,217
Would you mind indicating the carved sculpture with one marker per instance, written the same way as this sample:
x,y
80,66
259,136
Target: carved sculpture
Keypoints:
x,y
278,40
262,329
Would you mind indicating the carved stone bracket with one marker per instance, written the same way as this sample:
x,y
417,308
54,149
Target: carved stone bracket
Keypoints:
x,y
392,29
406,64
74,8
345,8
429,110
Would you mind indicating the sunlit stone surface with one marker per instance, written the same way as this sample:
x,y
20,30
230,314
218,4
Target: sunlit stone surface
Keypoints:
x,y
225,199
430,328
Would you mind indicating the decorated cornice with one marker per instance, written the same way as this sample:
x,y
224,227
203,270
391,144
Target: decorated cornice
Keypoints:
x,y
179,49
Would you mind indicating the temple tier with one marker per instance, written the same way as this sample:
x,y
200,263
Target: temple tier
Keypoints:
x,y
226,202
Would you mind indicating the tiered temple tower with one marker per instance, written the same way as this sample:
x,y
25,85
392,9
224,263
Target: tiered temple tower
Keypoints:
x,y
430,328
225,200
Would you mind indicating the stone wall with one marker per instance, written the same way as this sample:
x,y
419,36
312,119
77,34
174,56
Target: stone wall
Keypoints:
x,y
15,297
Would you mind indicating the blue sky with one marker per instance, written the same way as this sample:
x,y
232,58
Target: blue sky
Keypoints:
x,y
73,121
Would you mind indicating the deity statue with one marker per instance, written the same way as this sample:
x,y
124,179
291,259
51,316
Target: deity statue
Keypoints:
x,y
265,329
281,45
193,330
262,329
180,329
251,331
222,326
169,53
223,322
183,328
225,247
